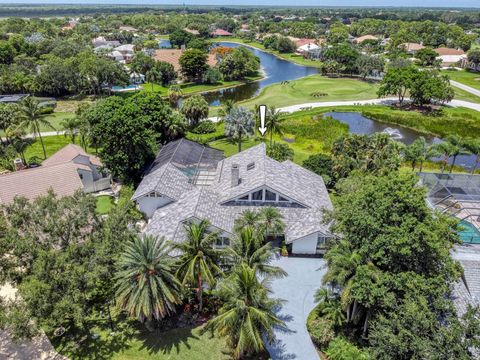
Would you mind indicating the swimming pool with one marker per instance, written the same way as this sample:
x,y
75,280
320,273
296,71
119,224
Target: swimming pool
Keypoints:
x,y
125,88
469,233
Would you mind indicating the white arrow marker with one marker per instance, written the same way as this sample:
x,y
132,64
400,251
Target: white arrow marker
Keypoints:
x,y
263,111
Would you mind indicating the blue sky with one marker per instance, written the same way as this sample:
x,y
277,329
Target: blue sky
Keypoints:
x,y
319,3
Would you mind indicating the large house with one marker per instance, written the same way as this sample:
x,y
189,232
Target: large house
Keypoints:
x,y
189,182
172,56
449,56
66,171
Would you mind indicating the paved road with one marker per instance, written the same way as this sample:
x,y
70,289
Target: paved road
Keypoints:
x,y
297,289
467,88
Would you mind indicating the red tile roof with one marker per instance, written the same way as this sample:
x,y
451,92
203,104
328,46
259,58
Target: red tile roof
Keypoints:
x,y
172,56
448,51
221,32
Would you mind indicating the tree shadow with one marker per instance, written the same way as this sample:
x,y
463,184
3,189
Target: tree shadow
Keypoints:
x,y
167,341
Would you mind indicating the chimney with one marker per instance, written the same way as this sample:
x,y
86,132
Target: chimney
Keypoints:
x,y
235,175
18,163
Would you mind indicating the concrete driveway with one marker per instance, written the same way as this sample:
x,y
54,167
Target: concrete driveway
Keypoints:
x,y
297,289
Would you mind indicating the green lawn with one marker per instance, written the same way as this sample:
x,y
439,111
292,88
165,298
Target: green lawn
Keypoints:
x,y
105,204
52,145
54,119
465,77
465,95
139,344
303,90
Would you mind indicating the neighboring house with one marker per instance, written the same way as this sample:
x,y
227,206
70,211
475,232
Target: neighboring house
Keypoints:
x,y
363,38
172,56
123,53
449,56
189,182
221,32
192,31
412,48
100,41
127,28
136,78
66,171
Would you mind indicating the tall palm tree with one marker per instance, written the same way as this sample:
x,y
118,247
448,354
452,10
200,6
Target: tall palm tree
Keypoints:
x,y
153,76
71,127
198,260
415,152
430,151
174,93
247,247
31,118
271,222
446,150
458,147
246,317
473,146
274,123
145,285
248,218
239,123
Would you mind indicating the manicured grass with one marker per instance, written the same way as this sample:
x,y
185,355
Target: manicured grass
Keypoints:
x,y
289,56
105,204
52,145
179,344
465,77
303,90
466,96
54,119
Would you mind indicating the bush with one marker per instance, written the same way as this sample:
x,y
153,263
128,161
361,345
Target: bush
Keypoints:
x,y
47,110
341,349
280,152
321,330
212,76
321,165
205,127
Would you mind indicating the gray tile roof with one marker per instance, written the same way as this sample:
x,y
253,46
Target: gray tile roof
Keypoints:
x,y
214,202
467,290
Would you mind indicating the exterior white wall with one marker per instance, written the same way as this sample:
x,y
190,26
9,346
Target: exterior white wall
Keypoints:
x,y
305,245
148,205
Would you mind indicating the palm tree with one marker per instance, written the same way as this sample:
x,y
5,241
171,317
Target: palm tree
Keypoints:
x,y
31,118
270,221
174,93
430,151
415,152
247,247
473,146
198,260
248,218
145,285
274,123
445,149
70,127
246,317
153,76
227,106
239,123
8,113
457,148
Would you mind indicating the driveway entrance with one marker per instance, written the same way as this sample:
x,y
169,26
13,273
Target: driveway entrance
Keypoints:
x,y
297,289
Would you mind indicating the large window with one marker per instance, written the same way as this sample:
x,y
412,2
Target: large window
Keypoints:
x,y
257,195
321,242
270,196
222,241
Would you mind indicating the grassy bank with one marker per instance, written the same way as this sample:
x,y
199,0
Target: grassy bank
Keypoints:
x,y
54,119
465,96
298,59
52,145
465,77
315,88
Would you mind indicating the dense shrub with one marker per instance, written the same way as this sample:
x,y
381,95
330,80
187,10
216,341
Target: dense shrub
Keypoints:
x,y
280,152
322,165
205,127
321,330
341,349
212,76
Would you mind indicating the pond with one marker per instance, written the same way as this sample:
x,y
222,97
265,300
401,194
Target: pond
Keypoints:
x,y
274,69
359,124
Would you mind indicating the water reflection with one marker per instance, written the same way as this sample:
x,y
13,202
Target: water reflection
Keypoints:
x,y
275,70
